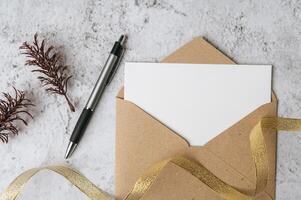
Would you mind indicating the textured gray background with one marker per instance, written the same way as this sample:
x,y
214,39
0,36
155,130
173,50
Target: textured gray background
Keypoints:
x,y
251,32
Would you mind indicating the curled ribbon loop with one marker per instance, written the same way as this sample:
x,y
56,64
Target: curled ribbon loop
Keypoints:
x,y
224,190
78,180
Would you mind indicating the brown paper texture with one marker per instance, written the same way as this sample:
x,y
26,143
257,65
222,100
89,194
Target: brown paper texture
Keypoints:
x,y
141,141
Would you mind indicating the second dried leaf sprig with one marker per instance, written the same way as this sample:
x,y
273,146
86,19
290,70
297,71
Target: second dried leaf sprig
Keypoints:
x,y
12,109
49,64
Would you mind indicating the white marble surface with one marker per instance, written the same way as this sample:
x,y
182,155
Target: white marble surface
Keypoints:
x,y
265,32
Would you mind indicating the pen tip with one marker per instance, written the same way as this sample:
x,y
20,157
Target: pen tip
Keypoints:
x,y
70,149
67,155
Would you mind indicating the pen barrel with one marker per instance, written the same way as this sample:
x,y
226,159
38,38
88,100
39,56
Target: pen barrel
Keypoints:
x,y
101,82
81,125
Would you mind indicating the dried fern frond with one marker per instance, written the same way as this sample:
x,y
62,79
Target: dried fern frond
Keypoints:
x,y
49,65
12,109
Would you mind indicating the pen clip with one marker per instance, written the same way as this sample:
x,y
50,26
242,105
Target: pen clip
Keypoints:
x,y
110,78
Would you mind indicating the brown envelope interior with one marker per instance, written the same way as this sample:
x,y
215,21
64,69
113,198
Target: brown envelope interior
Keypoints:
x,y
142,140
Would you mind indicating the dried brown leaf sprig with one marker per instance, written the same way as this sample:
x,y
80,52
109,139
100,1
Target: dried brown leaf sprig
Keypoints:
x,y
49,65
12,109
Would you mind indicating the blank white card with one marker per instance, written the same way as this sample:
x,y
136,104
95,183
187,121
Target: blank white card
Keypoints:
x,y
197,101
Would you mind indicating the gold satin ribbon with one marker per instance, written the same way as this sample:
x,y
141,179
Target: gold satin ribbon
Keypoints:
x,y
74,177
224,190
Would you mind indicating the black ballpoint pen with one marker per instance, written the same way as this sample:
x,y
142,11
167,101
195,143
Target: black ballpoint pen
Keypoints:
x,y
104,79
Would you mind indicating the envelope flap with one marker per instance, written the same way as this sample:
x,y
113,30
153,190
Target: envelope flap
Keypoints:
x,y
198,51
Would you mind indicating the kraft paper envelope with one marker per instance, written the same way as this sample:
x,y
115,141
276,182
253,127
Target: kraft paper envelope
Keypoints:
x,y
141,141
